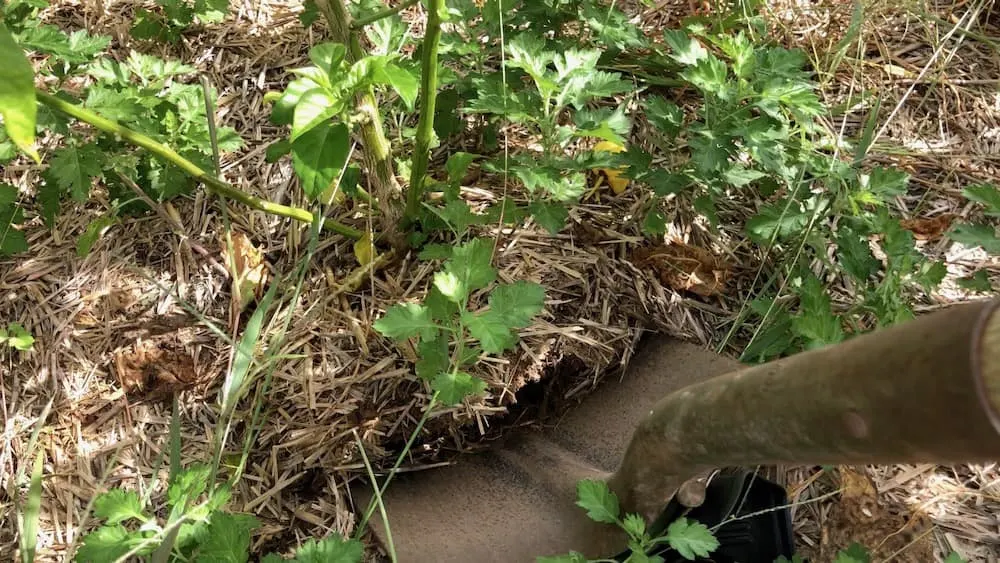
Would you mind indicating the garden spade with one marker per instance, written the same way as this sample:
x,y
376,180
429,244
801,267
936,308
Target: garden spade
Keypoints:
x,y
925,391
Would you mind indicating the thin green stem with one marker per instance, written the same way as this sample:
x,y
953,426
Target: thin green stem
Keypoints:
x,y
361,22
167,154
395,467
428,99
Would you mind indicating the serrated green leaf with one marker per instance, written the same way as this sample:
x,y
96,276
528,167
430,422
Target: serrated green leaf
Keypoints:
x,y
458,164
116,506
665,116
781,218
453,388
710,151
228,539
551,215
12,240
976,235
188,484
739,176
816,322
149,25
472,264
604,123
406,320
655,223
309,14
107,543
855,256
94,231
856,553
331,549
319,157
686,50
435,252
930,274
314,108
597,499
978,282
986,194
458,215
774,340
665,183
708,75
211,11
75,168
517,303
114,105
492,331
434,358
634,525
691,539
885,183
451,286
17,94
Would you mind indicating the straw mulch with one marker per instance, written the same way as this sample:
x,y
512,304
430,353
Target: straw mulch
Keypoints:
x,y
115,334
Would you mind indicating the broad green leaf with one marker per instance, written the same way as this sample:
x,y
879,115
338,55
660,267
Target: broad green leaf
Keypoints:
x,y
472,264
492,331
116,506
691,539
976,235
551,215
211,11
314,108
978,282
930,274
328,57
107,543
954,557
434,358
435,252
856,553
406,320
8,195
517,303
686,50
319,156
277,149
283,111
331,549
228,539
458,215
599,502
94,231
17,94
402,81
310,13
453,388
451,286
571,557
441,308
75,167
986,194
273,557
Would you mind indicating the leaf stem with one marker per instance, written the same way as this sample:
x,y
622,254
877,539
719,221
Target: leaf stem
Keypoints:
x,y
428,99
167,154
361,22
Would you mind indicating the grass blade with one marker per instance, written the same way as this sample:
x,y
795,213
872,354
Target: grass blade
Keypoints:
x,y
31,512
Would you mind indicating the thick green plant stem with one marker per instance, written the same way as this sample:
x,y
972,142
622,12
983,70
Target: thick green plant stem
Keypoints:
x,y
375,147
167,154
428,99
361,22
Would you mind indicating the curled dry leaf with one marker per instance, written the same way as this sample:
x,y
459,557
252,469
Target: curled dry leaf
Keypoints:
x,y
928,228
364,249
684,267
246,266
155,368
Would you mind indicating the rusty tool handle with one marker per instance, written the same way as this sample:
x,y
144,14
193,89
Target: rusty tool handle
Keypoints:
x,y
924,391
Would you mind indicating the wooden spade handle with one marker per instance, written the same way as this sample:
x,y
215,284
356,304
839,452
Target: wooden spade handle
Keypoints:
x,y
924,391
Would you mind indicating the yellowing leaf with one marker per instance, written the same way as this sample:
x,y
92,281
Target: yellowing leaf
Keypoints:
x,y
246,265
614,177
364,249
